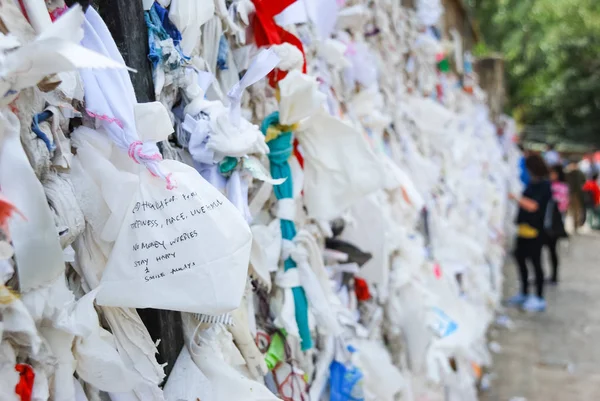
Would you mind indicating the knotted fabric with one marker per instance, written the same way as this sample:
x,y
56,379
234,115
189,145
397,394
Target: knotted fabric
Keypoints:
x,y
280,151
110,98
267,32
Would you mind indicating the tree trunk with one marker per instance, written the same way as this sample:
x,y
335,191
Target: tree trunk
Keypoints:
x,y
125,20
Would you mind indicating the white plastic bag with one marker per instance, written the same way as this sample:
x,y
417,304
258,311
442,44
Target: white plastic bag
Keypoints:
x,y
97,361
215,355
184,249
382,378
99,364
339,166
186,381
368,232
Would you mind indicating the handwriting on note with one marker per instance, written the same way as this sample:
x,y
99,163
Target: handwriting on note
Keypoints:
x,y
162,229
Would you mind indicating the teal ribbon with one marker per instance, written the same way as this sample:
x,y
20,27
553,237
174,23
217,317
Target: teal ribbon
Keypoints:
x,y
280,151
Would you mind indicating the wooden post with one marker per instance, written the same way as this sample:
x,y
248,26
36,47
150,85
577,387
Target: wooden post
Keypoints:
x,y
125,20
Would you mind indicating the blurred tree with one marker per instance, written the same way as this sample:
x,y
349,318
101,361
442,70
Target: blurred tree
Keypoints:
x,y
552,55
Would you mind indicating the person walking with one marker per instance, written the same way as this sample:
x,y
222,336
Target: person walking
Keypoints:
x,y
551,156
591,197
530,220
576,180
554,228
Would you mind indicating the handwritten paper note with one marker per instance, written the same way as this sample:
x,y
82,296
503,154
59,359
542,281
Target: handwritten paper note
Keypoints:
x,y
186,249
155,258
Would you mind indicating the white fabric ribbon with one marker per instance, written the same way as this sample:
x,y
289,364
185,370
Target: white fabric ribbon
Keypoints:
x,y
287,246
237,193
287,315
306,253
263,64
288,279
261,196
285,209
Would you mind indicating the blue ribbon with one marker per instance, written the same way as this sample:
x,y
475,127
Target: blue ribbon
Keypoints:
x,y
161,28
35,127
280,151
222,54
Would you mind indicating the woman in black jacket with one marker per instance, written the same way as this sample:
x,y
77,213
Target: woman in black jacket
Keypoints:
x,y
530,240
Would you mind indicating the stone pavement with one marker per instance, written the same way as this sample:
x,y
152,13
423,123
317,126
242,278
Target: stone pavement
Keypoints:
x,y
554,356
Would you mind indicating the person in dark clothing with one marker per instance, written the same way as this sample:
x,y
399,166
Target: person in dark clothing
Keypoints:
x,y
560,194
576,180
532,210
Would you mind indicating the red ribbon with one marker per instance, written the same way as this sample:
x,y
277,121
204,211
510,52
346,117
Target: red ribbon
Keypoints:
x,y
23,10
57,12
298,154
267,32
361,288
24,387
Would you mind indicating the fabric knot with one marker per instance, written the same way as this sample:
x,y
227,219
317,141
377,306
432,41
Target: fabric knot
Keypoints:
x,y
148,155
299,255
200,132
171,184
262,65
285,209
287,246
291,249
280,146
140,156
133,149
288,279
267,32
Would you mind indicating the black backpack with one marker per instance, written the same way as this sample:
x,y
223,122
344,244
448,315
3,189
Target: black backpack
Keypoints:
x,y
588,200
553,223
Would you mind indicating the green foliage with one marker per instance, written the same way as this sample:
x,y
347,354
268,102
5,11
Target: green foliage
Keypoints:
x,y
552,54
481,50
